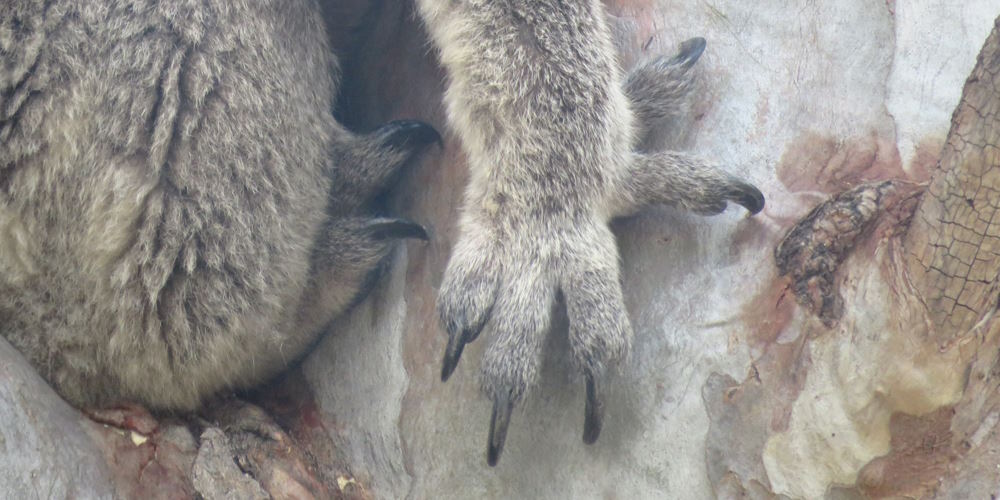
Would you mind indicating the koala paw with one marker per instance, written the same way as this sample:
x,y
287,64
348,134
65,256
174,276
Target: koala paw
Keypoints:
x,y
510,282
516,253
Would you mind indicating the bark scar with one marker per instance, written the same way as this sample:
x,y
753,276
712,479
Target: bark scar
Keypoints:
x,y
813,249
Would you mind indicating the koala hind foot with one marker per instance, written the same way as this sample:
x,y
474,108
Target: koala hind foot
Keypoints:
x,y
511,283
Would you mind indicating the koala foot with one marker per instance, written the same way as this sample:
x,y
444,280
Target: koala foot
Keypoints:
x,y
511,283
507,274
371,162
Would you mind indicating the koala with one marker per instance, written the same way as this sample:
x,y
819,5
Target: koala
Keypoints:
x,y
181,214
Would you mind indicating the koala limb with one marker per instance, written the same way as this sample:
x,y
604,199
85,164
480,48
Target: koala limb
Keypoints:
x,y
535,95
545,121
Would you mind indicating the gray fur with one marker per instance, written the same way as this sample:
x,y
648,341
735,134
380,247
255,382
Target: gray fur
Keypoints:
x,y
660,89
167,229
537,99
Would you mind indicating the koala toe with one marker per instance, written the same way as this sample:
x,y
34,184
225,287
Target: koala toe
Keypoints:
x,y
408,136
690,51
368,164
511,363
349,257
682,180
599,331
395,228
466,297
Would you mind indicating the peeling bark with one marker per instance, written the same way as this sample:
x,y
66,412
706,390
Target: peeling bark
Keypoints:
x,y
813,250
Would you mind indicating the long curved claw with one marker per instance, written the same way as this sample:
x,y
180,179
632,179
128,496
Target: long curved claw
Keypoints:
x,y
690,52
452,353
594,412
456,343
748,196
391,227
408,134
503,406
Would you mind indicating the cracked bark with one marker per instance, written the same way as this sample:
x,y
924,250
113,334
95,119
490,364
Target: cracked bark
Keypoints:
x,y
954,239
954,248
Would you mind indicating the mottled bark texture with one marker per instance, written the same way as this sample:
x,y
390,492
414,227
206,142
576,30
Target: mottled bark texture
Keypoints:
x,y
942,303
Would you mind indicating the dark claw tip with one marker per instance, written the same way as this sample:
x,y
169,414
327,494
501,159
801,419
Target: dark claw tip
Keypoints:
x,y
690,52
452,354
502,408
410,134
388,227
750,197
594,412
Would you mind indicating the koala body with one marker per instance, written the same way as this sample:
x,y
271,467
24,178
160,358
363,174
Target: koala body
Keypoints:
x,y
179,210
181,214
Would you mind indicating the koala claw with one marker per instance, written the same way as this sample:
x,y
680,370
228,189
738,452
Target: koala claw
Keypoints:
x,y
503,406
690,52
390,227
747,195
594,411
451,355
408,135
456,344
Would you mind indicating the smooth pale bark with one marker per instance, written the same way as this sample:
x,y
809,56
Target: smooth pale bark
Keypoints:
x,y
741,382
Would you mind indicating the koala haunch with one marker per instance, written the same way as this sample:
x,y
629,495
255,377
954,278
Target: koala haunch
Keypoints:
x,y
181,214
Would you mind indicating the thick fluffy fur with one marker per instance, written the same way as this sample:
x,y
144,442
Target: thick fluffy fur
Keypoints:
x,y
536,96
167,228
